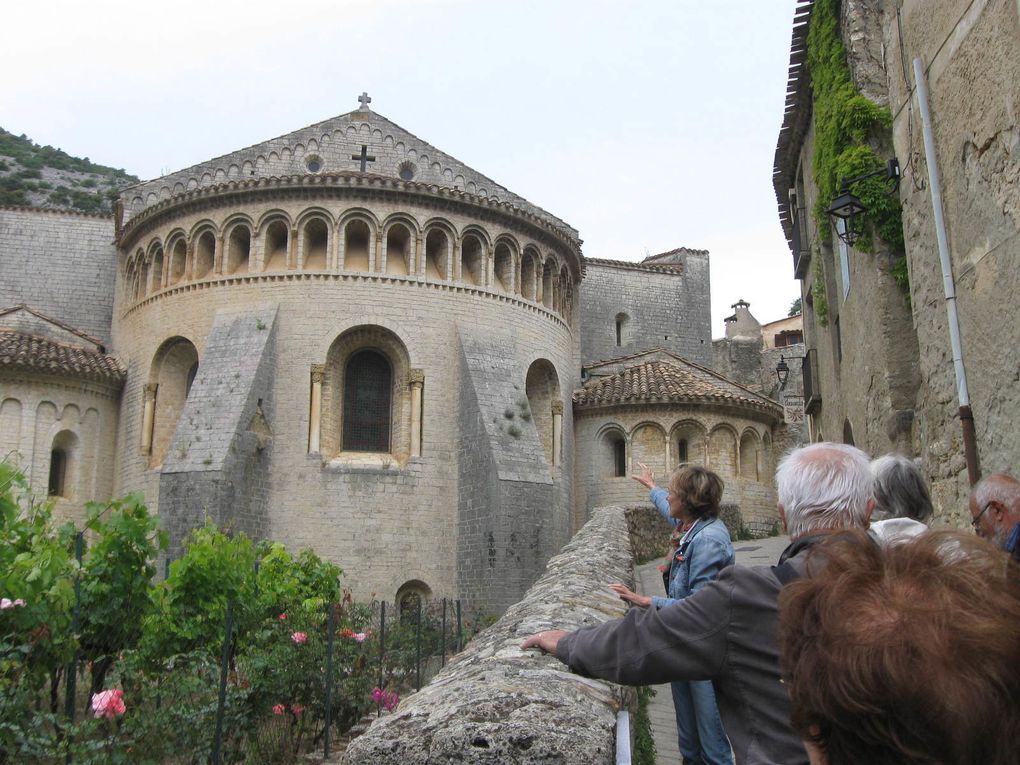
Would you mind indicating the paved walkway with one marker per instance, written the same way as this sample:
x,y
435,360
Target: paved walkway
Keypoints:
x,y
757,552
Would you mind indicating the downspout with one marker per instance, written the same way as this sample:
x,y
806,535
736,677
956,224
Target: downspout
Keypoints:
x,y
966,416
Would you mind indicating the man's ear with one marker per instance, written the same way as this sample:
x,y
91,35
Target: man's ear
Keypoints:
x,y
782,515
868,510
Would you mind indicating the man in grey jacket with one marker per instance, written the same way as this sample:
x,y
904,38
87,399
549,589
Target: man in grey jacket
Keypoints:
x,y
727,631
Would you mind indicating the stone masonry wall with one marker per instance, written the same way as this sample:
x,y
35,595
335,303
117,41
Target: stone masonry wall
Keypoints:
x,y
213,466
494,703
970,54
663,309
507,518
62,264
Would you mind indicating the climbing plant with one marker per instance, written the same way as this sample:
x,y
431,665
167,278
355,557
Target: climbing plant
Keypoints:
x,y
844,122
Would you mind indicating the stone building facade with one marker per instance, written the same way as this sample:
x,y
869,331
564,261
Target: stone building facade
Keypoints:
x,y
879,368
348,340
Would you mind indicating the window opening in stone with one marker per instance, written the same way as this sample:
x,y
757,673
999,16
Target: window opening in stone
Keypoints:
x,y
157,270
398,250
436,247
367,390
682,451
313,163
528,272
471,261
620,458
238,251
277,246
502,267
356,237
749,457
406,171
178,258
143,280
316,242
205,250
621,325
547,285
58,473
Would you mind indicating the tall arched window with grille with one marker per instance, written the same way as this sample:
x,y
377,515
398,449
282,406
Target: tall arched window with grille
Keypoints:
x,y
368,385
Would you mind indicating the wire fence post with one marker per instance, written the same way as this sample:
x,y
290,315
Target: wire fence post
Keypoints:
x,y
417,649
71,686
382,649
460,631
330,635
217,755
442,640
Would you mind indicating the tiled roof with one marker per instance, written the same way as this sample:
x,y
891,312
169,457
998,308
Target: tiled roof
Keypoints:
x,y
36,354
662,382
662,267
56,322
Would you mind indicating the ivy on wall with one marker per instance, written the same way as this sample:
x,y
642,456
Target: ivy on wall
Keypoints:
x,y
844,122
818,299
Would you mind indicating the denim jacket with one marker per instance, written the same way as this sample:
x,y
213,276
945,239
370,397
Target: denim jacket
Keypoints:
x,y
706,550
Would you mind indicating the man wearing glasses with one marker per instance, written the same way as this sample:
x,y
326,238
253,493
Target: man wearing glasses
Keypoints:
x,y
995,511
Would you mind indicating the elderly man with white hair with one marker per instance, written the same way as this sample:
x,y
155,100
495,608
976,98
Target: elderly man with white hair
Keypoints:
x,y
726,632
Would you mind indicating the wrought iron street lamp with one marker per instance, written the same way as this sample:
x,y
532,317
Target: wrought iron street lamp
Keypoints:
x,y
782,371
849,208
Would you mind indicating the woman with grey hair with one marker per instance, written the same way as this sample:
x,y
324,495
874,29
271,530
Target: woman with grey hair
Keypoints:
x,y
902,504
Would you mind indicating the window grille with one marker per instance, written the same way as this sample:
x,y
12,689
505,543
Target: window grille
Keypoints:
x,y
367,392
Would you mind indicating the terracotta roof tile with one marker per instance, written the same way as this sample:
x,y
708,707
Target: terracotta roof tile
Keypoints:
x,y
660,381
36,354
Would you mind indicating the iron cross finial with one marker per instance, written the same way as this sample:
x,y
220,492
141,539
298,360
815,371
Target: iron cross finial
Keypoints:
x,y
364,99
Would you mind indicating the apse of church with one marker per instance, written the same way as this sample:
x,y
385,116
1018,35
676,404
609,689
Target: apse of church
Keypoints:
x,y
346,339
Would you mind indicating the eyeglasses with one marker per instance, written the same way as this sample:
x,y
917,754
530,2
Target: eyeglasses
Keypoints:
x,y
977,518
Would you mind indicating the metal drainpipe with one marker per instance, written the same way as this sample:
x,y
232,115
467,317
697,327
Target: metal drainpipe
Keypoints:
x,y
966,416
623,737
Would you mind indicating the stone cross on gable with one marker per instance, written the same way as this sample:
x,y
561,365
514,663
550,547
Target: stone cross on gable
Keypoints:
x,y
364,157
364,99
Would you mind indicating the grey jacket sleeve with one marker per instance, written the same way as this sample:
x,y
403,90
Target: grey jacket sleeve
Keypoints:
x,y
684,641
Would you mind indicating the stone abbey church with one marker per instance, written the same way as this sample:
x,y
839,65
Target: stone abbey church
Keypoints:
x,y
345,339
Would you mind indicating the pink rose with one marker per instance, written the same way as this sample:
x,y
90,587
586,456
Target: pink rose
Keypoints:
x,y
297,709
391,701
360,636
299,637
283,617
109,704
378,694
279,709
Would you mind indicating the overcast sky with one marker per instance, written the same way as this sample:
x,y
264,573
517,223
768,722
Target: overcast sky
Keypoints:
x,y
646,125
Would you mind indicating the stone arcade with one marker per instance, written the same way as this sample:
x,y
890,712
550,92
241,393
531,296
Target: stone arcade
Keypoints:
x,y
344,338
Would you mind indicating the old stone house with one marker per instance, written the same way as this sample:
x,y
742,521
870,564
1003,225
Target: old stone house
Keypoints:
x,y
879,369
346,339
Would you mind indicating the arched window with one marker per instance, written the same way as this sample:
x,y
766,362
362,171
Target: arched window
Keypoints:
x,y
366,409
205,250
357,241
62,464
411,599
683,451
620,458
436,250
621,328
502,269
238,251
472,262
398,250
277,244
316,244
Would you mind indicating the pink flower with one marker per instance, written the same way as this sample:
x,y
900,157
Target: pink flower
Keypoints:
x,y
109,704
299,637
360,636
297,709
279,709
6,603
378,694
391,701
283,617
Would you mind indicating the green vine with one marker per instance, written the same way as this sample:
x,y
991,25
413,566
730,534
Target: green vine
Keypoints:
x,y
818,300
844,122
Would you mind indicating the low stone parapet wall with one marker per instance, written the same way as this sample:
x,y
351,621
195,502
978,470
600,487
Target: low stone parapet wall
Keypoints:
x,y
494,703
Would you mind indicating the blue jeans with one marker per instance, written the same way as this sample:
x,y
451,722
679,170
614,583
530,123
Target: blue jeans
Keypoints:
x,y
699,728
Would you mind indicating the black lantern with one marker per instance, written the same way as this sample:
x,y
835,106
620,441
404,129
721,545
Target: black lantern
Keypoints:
x,y
849,208
782,371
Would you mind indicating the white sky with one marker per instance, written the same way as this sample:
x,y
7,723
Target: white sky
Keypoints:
x,y
646,125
